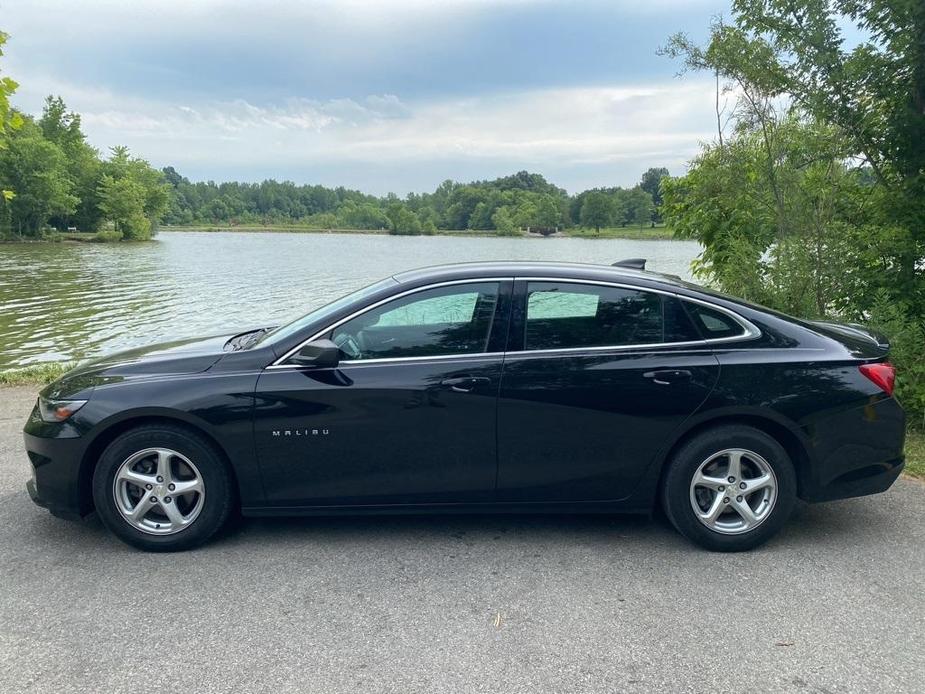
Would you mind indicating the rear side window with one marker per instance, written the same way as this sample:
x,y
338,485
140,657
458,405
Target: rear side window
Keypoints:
x,y
562,315
713,324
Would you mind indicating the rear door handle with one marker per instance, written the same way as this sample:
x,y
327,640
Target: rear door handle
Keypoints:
x,y
465,384
666,377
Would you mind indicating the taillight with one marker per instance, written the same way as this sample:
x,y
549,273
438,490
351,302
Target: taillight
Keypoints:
x,y
883,374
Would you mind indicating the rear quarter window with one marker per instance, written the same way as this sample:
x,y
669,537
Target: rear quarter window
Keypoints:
x,y
713,324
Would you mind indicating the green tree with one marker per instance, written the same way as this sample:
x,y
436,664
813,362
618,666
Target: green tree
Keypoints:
x,y
597,210
132,195
122,201
36,170
727,202
364,215
481,217
651,183
548,214
62,127
403,221
503,221
871,89
639,208
10,120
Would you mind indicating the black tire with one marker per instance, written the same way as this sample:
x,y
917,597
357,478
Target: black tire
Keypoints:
x,y
684,464
217,502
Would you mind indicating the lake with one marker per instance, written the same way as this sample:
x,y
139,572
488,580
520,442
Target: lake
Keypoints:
x,y
65,301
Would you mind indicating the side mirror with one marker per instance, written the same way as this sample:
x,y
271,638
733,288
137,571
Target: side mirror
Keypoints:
x,y
320,353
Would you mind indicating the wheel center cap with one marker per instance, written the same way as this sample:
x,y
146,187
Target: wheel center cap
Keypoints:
x,y
161,490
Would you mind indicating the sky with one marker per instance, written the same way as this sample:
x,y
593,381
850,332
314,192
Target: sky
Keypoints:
x,y
383,96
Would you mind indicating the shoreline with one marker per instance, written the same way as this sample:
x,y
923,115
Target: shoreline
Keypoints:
x,y
629,233
625,233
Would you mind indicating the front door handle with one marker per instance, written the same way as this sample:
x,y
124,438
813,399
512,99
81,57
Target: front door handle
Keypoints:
x,y
464,384
666,377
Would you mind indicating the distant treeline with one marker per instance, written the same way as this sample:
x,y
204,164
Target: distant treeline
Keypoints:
x,y
522,200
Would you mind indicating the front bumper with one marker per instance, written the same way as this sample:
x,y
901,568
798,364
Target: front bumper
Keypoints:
x,y
56,482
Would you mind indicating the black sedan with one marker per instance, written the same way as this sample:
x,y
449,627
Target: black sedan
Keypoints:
x,y
495,387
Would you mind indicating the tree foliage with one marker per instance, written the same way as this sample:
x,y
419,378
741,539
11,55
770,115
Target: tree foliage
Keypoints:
x,y
59,181
597,209
10,120
36,170
812,197
507,204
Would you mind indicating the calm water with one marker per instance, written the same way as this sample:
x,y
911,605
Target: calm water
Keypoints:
x,y
70,301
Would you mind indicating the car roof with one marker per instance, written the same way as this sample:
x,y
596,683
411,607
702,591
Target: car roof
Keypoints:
x,y
530,268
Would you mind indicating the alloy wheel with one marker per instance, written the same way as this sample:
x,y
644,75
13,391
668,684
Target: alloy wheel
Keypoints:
x,y
158,491
733,491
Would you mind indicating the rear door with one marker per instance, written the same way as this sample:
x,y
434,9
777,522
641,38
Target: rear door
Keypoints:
x,y
596,379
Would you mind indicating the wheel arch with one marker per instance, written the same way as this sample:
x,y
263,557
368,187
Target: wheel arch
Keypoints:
x,y
785,433
113,429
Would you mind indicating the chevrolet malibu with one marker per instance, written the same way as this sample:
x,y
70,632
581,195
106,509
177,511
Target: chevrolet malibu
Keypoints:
x,y
488,387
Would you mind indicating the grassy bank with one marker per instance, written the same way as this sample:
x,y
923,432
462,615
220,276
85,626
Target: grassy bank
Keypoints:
x,y
915,453
72,237
40,374
661,232
37,375
266,228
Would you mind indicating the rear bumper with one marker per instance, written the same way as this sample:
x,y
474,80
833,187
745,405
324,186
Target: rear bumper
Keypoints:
x,y
872,479
855,452
55,483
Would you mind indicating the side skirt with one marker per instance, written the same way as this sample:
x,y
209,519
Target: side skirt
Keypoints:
x,y
418,509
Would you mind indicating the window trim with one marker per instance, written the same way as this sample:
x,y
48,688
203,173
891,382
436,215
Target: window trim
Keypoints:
x,y
280,363
750,330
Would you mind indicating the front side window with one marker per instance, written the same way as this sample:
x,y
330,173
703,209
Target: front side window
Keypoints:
x,y
563,315
444,321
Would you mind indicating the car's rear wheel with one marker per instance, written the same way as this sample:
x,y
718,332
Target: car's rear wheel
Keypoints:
x,y
162,488
730,488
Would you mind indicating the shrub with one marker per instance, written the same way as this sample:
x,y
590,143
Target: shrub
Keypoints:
x,y
907,352
108,236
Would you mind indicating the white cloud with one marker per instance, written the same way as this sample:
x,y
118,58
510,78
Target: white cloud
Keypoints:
x,y
202,85
534,129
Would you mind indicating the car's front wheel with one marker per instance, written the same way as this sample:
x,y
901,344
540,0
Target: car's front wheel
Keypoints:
x,y
162,488
729,488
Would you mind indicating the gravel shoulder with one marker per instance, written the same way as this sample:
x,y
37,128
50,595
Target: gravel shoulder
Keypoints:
x,y
474,604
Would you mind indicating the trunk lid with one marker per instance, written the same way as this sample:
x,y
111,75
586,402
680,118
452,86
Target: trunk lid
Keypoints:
x,y
858,339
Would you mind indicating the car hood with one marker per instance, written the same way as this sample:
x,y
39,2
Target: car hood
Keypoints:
x,y
188,356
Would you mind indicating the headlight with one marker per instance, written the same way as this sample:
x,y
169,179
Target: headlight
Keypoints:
x,y
58,410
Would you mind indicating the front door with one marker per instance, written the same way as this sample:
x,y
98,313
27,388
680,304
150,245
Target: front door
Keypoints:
x,y
597,379
407,417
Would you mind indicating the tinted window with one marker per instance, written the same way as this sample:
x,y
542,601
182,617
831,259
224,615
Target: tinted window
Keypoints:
x,y
435,322
562,315
713,324
678,325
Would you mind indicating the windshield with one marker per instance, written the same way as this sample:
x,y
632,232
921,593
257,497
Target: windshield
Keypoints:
x,y
285,331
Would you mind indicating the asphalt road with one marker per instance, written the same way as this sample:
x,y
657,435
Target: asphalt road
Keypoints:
x,y
461,604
